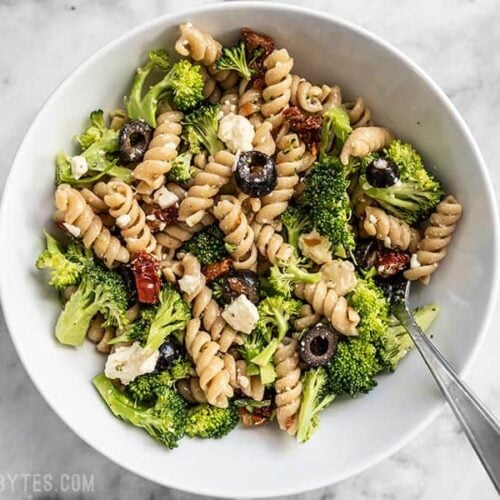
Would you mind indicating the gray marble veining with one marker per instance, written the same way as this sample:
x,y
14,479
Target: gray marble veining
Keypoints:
x,y
42,41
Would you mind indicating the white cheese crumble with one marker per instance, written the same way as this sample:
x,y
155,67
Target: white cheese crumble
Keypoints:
x,y
241,314
414,262
189,283
123,221
236,132
165,198
387,242
73,230
79,166
315,247
372,219
128,362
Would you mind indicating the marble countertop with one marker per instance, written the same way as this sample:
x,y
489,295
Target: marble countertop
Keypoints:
x,y
453,40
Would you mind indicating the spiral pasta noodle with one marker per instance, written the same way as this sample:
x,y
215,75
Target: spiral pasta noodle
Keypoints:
x,y
325,301
278,80
190,390
437,236
229,101
250,100
359,113
211,89
204,187
204,306
162,150
174,235
250,385
100,335
74,210
394,232
263,140
239,235
331,97
201,47
307,318
130,217
363,141
288,385
305,95
213,376
289,161
270,243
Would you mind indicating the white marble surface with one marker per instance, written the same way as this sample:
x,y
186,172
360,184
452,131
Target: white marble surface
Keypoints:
x,y
41,41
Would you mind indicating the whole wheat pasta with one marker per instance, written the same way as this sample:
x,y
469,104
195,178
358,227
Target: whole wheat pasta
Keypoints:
x,y
437,236
288,385
213,376
359,113
393,232
75,211
250,385
363,141
270,243
162,150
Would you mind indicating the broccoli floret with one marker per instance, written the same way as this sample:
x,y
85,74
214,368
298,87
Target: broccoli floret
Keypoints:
x,y
207,246
234,58
335,129
373,309
295,222
201,127
353,367
183,80
417,193
398,343
97,142
171,316
315,398
205,421
285,274
325,198
144,389
100,291
65,267
165,421
135,332
182,170
275,315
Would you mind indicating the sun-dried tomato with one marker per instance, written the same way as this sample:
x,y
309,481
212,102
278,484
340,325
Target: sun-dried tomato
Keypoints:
x,y
147,277
256,418
307,127
258,83
258,47
159,218
390,262
217,269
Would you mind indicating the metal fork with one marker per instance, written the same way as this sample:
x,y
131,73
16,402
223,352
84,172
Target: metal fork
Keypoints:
x,y
480,426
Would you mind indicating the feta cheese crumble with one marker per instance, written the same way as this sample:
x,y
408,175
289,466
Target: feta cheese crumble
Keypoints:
x,y
189,283
79,166
315,247
73,230
236,132
241,314
414,262
128,362
165,198
123,221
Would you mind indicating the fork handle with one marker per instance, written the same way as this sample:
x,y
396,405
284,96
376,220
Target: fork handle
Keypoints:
x,y
480,426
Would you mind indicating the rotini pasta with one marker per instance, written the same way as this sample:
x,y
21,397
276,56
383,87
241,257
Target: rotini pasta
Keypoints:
x,y
157,162
288,385
359,113
239,235
250,385
363,141
393,232
76,212
437,236
213,376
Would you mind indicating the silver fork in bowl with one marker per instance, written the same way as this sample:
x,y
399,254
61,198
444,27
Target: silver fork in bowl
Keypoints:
x,y
480,426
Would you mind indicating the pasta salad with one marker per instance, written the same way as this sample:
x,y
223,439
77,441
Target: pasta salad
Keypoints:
x,y
227,241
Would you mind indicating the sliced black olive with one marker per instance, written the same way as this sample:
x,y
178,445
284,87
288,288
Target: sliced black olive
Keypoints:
x,y
255,173
318,345
169,352
382,173
365,254
134,140
237,283
127,275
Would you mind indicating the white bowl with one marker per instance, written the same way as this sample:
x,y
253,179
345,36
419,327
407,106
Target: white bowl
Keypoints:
x,y
353,434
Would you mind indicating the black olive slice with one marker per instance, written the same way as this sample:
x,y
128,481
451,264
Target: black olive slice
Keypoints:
x,y
134,140
318,345
169,352
238,283
255,173
382,173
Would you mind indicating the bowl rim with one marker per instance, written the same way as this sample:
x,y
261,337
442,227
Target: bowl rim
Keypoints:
x,y
460,122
